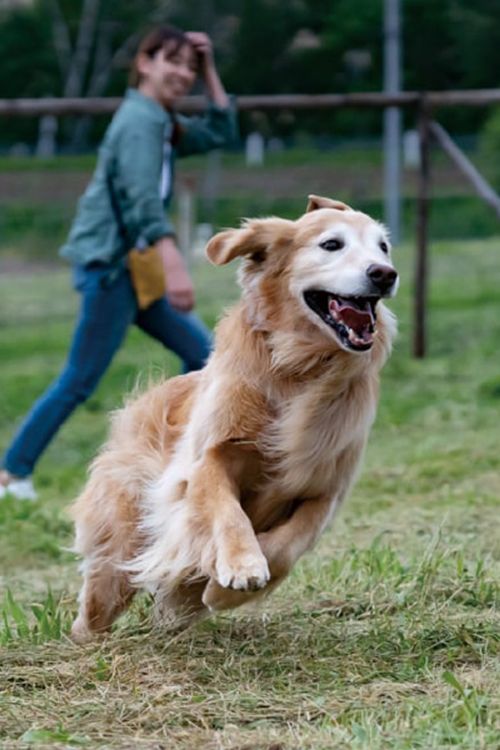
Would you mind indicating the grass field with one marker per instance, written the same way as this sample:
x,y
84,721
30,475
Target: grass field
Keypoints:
x,y
386,636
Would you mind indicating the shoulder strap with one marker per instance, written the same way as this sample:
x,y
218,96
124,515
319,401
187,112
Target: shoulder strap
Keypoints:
x,y
116,262
122,229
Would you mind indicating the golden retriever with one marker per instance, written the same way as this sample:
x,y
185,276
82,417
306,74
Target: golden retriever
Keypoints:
x,y
213,484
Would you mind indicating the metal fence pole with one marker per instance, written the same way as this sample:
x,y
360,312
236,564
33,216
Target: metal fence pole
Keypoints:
x,y
421,262
392,118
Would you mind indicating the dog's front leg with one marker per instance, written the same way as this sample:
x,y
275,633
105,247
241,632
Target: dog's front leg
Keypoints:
x,y
282,546
238,559
286,543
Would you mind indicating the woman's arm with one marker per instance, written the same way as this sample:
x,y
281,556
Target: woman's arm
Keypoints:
x,y
135,179
216,128
135,168
213,85
180,291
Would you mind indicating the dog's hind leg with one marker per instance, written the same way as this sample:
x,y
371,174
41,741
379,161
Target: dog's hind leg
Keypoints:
x,y
105,521
105,594
181,607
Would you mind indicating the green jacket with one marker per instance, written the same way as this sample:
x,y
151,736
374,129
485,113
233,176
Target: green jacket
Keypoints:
x,y
131,162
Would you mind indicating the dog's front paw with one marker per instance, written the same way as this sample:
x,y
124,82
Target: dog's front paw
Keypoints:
x,y
247,573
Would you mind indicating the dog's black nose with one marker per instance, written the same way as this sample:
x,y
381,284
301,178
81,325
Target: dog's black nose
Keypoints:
x,y
382,277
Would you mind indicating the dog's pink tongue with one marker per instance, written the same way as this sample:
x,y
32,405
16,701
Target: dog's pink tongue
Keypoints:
x,y
361,321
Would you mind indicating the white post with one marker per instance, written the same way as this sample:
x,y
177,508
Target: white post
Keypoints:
x,y
47,131
392,117
254,150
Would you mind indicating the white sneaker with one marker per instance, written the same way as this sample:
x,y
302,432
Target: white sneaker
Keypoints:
x,y
20,489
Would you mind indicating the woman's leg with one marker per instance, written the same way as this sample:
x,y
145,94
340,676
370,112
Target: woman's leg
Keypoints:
x,y
106,312
183,333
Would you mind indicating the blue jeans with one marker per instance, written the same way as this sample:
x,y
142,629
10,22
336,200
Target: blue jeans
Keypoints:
x,y
108,307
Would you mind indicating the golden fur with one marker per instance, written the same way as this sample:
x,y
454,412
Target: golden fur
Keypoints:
x,y
213,484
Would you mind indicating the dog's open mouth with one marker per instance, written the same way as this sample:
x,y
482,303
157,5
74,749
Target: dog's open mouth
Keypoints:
x,y
353,319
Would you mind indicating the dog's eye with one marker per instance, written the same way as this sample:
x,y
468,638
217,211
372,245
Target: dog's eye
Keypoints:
x,y
333,244
384,247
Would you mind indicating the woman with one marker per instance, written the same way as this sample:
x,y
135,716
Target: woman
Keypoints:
x,y
123,208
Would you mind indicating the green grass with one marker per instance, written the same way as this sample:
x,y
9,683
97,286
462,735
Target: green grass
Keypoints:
x,y
344,151
386,636
84,162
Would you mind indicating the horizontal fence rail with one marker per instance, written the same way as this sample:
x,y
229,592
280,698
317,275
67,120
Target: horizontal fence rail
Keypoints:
x,y
107,105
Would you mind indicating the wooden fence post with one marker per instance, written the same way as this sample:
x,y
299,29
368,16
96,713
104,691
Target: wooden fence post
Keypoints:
x,y
421,263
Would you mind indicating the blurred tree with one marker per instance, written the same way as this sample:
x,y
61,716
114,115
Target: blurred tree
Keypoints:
x,y
91,40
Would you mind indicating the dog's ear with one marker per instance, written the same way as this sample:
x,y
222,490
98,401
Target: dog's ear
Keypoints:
x,y
255,238
317,201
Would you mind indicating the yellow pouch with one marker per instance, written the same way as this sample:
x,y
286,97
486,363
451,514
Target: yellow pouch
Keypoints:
x,y
147,274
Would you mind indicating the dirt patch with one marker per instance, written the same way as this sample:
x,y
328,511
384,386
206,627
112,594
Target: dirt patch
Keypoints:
x,y
359,181
39,186
18,266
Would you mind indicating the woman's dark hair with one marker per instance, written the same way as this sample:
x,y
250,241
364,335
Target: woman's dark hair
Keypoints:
x,y
167,38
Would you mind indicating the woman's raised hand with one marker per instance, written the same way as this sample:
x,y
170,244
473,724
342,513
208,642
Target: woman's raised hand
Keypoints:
x,y
203,46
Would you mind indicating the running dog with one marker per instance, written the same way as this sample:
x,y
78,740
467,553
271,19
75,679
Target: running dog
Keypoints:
x,y
213,484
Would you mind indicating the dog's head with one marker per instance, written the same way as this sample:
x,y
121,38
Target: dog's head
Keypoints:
x,y
330,268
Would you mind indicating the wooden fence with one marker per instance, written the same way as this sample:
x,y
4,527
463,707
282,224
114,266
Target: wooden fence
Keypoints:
x,y
424,105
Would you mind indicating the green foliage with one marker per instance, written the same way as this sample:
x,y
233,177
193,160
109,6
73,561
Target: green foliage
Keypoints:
x,y
25,32
28,65
41,621
474,704
52,737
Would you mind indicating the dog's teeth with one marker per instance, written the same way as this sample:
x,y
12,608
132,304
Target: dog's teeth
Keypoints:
x,y
353,337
